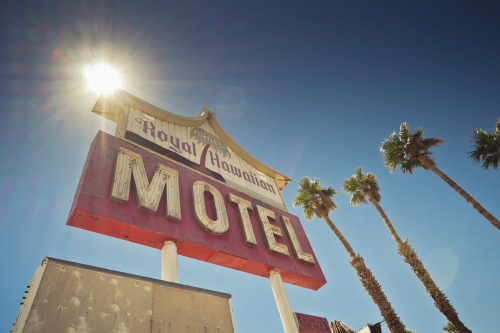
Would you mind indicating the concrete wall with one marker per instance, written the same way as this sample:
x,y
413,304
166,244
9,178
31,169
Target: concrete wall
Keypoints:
x,y
73,298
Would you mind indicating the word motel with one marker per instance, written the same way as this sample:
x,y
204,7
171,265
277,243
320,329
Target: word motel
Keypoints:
x,y
207,219
210,211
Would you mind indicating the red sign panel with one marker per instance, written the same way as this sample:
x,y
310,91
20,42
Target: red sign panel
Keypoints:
x,y
207,219
312,324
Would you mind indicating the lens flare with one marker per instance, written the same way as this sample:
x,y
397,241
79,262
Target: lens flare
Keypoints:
x,y
102,78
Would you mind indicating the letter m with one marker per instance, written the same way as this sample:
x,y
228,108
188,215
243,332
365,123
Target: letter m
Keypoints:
x,y
148,195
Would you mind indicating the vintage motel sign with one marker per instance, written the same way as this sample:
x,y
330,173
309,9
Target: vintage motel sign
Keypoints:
x,y
168,177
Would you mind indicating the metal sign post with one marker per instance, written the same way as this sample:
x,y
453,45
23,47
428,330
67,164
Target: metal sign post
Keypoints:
x,y
169,262
284,308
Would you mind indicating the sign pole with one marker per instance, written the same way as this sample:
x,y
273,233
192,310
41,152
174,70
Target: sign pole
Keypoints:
x,y
169,262
284,308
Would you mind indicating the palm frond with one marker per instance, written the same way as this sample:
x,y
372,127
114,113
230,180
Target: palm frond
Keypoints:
x,y
314,198
203,137
360,185
486,147
405,150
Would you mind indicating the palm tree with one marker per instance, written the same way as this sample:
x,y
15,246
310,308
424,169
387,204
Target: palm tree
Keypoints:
x,y
209,140
486,147
412,150
365,186
449,328
317,201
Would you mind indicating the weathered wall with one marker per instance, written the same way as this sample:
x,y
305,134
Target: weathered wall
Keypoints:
x,y
74,298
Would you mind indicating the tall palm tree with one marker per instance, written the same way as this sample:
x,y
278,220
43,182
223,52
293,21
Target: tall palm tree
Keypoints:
x,y
412,150
365,186
317,201
486,147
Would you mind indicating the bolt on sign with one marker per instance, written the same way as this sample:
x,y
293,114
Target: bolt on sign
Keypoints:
x,y
191,184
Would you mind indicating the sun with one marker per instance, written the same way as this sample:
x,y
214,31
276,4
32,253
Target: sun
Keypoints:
x,y
102,78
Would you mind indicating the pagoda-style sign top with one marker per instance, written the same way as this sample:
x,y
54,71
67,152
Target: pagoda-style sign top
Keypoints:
x,y
199,143
194,186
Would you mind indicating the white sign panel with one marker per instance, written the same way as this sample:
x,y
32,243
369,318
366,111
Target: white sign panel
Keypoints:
x,y
195,143
202,146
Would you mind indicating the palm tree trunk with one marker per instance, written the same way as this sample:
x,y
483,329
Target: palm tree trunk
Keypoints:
x,y
493,220
337,232
410,257
204,155
370,284
375,291
440,300
393,232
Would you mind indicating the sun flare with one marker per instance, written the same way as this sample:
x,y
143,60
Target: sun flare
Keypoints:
x,y
102,78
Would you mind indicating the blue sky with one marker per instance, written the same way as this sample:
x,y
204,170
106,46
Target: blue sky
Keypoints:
x,y
307,88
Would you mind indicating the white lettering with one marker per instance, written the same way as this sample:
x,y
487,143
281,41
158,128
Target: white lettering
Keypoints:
x,y
221,223
147,194
270,231
245,223
296,247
